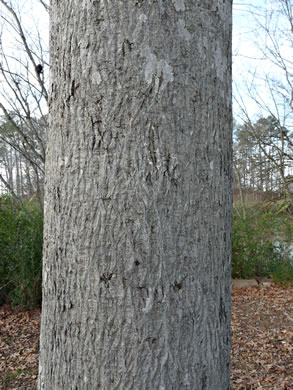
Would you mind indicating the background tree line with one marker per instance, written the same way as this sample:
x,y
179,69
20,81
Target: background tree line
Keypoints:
x,y
263,142
263,157
23,99
262,147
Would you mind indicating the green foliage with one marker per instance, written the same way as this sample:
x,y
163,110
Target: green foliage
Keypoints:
x,y
21,235
261,239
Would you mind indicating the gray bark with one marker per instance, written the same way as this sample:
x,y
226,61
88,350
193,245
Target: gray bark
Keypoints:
x,y
136,280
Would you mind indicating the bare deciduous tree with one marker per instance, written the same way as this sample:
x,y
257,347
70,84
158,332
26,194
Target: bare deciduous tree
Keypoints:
x,y
23,96
269,85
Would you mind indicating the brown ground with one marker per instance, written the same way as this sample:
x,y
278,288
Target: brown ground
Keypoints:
x,y
262,351
19,346
262,334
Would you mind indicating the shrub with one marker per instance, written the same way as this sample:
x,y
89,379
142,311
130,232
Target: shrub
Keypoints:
x,y
21,235
260,243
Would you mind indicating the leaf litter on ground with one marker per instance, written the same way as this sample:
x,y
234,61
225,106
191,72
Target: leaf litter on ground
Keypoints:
x,y
262,338
262,341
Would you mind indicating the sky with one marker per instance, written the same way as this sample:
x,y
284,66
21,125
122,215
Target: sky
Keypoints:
x,y
34,21
251,69
248,61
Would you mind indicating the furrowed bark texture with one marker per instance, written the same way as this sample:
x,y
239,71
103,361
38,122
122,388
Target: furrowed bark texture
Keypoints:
x,y
138,197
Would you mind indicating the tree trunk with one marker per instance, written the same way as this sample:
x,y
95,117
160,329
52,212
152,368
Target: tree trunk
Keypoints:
x,y
136,280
